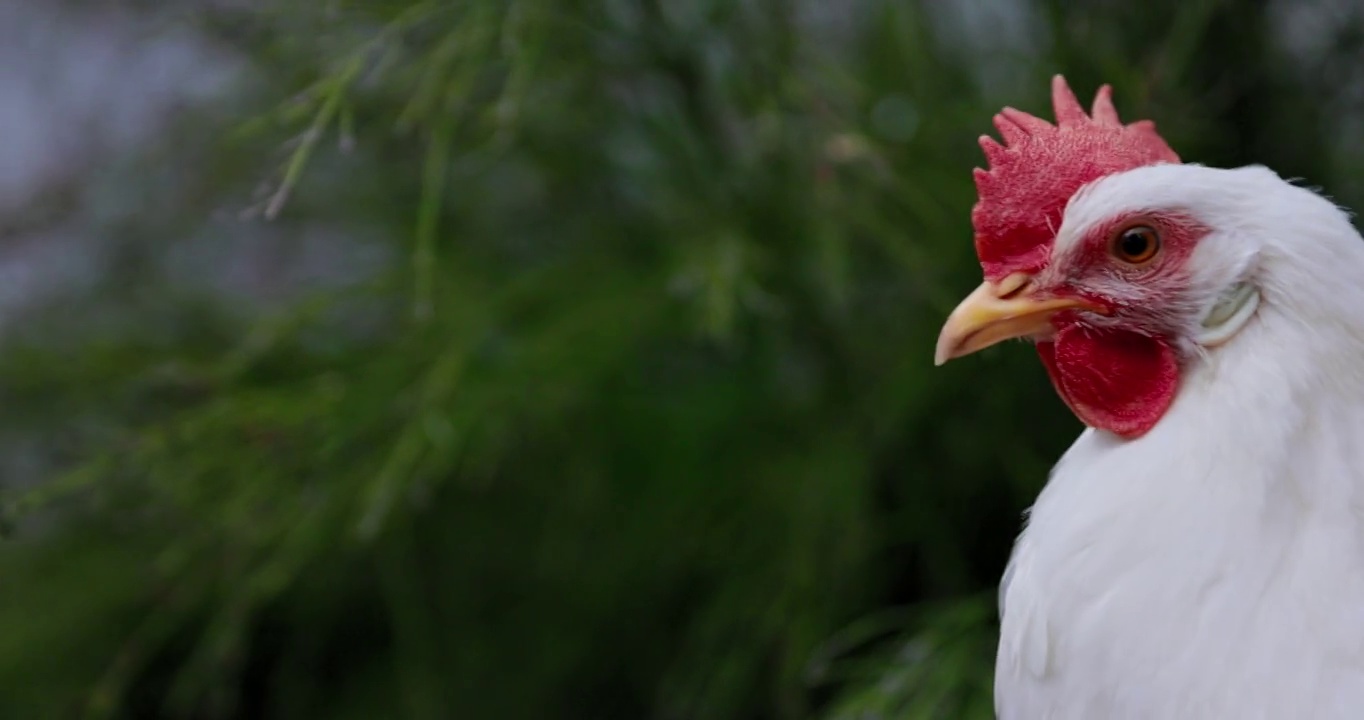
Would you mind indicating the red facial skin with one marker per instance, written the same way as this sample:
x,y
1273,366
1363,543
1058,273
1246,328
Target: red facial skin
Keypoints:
x,y
1120,371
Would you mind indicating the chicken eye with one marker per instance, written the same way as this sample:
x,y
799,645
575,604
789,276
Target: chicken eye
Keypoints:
x,y
1136,245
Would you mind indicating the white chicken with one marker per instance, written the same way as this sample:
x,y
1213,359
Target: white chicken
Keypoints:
x,y
1199,551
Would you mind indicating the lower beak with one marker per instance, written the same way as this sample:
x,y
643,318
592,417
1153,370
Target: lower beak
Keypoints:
x,y
996,312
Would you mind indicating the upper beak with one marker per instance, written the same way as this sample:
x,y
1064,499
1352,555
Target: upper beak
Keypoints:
x,y
996,312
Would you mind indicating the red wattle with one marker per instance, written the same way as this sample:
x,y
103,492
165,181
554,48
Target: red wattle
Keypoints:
x,y
1114,380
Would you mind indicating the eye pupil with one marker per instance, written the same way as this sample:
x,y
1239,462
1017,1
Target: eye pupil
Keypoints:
x,y
1137,245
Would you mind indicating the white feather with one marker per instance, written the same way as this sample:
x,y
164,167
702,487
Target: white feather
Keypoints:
x,y
1214,567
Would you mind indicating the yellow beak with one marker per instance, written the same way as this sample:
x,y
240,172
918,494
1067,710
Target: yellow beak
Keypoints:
x,y
996,312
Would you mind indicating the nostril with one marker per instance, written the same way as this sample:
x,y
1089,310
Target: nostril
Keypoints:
x,y
1013,285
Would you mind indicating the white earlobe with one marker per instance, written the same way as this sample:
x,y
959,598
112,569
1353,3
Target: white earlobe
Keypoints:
x,y
1228,314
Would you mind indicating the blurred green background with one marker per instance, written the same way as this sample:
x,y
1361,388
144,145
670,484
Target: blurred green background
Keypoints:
x,y
519,359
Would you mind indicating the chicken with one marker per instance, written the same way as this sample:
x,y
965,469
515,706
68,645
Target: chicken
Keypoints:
x,y
1199,551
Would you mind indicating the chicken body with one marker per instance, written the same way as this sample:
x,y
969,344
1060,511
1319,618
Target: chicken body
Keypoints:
x,y
1212,567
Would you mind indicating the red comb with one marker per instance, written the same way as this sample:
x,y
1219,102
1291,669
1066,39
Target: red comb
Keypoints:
x,y
1034,174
